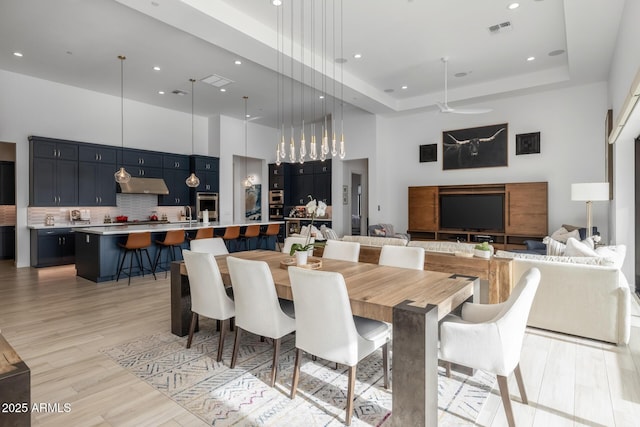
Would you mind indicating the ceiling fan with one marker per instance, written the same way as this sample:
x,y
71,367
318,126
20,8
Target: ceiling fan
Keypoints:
x,y
444,106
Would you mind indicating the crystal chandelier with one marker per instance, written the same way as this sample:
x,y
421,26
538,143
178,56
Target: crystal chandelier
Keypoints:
x,y
297,150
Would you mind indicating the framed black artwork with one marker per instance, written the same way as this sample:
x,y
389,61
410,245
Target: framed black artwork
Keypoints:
x,y
528,143
428,153
479,147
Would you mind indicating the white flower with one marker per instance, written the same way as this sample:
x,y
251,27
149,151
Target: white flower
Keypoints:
x,y
311,206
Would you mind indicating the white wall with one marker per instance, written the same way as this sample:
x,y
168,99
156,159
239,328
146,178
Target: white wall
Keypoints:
x,y
30,106
571,124
261,142
624,66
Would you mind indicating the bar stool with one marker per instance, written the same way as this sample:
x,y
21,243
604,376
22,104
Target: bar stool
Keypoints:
x,y
135,244
251,232
173,239
272,230
203,233
231,234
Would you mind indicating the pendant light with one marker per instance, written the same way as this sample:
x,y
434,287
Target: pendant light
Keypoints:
x,y
193,180
122,176
248,180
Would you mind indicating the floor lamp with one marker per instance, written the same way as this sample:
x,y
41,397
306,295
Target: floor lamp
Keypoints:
x,y
590,192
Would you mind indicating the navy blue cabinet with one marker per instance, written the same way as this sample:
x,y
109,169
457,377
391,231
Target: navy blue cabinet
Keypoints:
x,y
303,180
96,185
208,172
54,172
175,170
8,242
7,183
51,247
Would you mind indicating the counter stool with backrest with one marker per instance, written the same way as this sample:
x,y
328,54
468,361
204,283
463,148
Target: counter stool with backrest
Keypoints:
x,y
173,239
203,233
135,244
251,232
231,234
272,230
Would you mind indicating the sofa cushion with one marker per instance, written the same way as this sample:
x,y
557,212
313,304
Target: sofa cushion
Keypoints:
x,y
577,248
375,241
562,235
447,247
554,247
610,256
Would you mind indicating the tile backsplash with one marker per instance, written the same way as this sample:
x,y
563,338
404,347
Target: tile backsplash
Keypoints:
x,y
7,215
135,206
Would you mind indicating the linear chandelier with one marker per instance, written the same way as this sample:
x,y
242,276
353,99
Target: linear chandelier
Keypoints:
x,y
321,43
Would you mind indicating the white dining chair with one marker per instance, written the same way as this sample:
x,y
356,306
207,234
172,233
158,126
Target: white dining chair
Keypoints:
x,y
326,327
258,309
489,337
402,256
288,241
208,294
344,251
213,245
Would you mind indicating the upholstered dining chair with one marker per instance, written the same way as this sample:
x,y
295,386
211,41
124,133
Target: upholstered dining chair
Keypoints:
x,y
208,294
258,309
345,251
489,337
214,246
402,256
288,241
326,327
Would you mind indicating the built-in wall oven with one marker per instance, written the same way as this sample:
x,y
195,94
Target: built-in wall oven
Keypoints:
x,y
276,204
207,202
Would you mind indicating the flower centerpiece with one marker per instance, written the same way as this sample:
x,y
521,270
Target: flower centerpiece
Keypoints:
x,y
315,209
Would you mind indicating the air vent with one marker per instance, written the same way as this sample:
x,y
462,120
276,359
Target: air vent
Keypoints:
x,y
500,28
179,92
216,80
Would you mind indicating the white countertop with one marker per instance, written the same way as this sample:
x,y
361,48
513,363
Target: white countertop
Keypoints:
x,y
307,219
113,229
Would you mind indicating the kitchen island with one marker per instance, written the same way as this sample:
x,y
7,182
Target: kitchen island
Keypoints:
x,y
98,253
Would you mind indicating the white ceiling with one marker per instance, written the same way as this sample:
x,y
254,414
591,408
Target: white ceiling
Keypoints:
x,y
76,42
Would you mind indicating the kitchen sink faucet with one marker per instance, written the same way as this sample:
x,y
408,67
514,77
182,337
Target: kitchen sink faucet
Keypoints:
x,y
188,209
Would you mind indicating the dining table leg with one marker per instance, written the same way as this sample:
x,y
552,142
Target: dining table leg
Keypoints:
x,y
415,365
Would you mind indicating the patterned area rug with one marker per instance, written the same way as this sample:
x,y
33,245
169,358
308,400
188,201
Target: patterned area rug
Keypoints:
x,y
242,397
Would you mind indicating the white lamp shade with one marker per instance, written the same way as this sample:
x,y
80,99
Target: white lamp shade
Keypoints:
x,y
590,191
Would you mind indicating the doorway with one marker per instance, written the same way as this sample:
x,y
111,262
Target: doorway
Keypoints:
x,y
356,204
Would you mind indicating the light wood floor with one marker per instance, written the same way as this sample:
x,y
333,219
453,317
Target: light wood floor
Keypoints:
x,y
58,322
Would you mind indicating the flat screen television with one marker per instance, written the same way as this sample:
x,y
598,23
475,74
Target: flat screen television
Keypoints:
x,y
472,212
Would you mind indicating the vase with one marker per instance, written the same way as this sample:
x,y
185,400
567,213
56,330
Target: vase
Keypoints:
x,y
301,257
482,254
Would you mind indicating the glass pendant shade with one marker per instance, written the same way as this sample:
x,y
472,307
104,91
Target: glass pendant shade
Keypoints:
x,y
122,176
193,181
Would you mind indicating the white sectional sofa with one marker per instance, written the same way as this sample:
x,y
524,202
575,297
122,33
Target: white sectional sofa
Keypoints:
x,y
583,296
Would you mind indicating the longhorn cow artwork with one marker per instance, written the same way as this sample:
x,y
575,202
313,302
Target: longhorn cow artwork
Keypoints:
x,y
479,147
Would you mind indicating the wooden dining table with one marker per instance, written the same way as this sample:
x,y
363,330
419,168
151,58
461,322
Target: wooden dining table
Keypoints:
x,y
412,300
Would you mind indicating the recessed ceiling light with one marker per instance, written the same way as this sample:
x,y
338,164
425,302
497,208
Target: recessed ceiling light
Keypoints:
x,y
160,92
276,2
222,89
405,87
238,62
247,115
512,6
556,52
357,55
531,58
321,97
18,54
156,68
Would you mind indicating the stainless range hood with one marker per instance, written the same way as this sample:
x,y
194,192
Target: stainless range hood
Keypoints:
x,y
144,186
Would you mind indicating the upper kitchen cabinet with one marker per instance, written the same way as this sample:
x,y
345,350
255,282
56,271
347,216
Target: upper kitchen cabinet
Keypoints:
x,y
54,172
277,176
7,183
175,170
149,159
96,185
207,169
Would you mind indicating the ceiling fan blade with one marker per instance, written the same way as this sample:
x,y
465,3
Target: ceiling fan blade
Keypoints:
x,y
470,110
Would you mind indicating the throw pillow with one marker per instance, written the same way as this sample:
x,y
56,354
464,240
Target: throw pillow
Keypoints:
x,y
562,235
380,232
554,247
577,248
329,234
